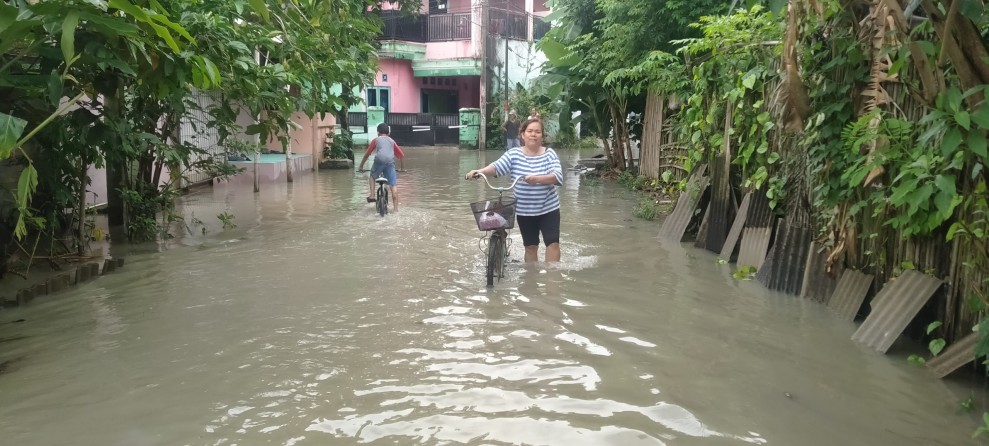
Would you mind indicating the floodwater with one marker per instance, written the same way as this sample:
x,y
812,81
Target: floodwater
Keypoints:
x,y
315,322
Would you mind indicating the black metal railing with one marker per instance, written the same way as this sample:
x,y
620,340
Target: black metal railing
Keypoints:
x,y
414,129
514,26
357,122
447,27
539,28
398,26
443,134
444,27
409,119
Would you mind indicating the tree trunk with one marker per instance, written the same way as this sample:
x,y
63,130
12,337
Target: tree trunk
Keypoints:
x,y
81,210
288,158
257,183
115,168
966,57
617,141
341,114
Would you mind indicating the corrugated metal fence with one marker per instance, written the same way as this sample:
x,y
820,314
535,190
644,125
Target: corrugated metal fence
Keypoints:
x,y
195,130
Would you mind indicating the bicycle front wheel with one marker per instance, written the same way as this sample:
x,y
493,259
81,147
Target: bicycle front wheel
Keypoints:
x,y
496,249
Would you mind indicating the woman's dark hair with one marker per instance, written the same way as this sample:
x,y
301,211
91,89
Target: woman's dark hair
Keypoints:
x,y
383,128
529,122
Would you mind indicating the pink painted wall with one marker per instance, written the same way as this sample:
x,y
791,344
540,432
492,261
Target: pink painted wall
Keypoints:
x,y
498,6
449,50
391,6
404,86
307,139
456,6
96,191
453,6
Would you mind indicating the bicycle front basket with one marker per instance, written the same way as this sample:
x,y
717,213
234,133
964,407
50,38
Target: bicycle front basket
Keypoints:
x,y
498,213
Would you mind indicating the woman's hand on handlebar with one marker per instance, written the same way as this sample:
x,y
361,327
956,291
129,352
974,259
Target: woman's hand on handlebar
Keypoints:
x,y
473,175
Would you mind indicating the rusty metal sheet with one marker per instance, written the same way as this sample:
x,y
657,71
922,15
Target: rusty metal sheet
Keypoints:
x,y
783,269
755,244
702,230
894,307
818,283
956,355
676,223
720,210
736,229
850,293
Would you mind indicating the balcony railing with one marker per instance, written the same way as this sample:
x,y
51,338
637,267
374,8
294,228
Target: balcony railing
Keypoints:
x,y
517,25
539,28
447,27
403,27
444,27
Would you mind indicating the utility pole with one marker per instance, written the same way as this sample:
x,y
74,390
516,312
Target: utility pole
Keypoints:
x,y
504,33
483,52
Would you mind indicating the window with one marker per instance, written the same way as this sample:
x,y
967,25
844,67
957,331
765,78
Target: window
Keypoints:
x,y
379,97
438,6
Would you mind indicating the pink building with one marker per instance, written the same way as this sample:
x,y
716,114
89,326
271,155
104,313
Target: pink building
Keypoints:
x,y
431,63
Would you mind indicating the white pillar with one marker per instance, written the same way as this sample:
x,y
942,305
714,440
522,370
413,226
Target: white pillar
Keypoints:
x,y
529,9
477,27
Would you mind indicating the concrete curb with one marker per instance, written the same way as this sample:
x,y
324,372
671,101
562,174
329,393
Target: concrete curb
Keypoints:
x,y
60,282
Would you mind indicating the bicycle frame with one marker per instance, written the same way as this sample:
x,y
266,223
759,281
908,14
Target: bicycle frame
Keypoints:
x,y
501,191
498,240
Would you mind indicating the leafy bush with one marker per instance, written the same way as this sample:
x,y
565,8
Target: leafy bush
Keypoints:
x,y
342,146
566,140
646,210
633,182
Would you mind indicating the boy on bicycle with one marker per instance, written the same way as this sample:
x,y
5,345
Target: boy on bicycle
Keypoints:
x,y
384,162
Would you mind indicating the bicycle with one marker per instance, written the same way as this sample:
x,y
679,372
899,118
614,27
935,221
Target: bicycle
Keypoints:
x,y
381,197
496,217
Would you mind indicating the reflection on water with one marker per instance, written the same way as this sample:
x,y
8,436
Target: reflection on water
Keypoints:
x,y
317,322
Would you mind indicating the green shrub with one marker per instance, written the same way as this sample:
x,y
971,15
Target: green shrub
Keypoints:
x,y
646,210
342,146
589,142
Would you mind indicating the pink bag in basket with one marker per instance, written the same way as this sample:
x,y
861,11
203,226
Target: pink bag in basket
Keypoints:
x,y
490,221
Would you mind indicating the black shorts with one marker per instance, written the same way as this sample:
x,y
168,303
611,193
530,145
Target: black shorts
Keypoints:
x,y
531,226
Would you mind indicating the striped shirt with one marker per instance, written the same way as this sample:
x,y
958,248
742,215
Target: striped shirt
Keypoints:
x,y
532,199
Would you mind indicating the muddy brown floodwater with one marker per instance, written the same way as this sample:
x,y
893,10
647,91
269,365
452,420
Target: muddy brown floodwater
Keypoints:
x,y
315,322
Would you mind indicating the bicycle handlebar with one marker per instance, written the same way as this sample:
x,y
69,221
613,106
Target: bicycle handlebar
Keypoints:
x,y
499,189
